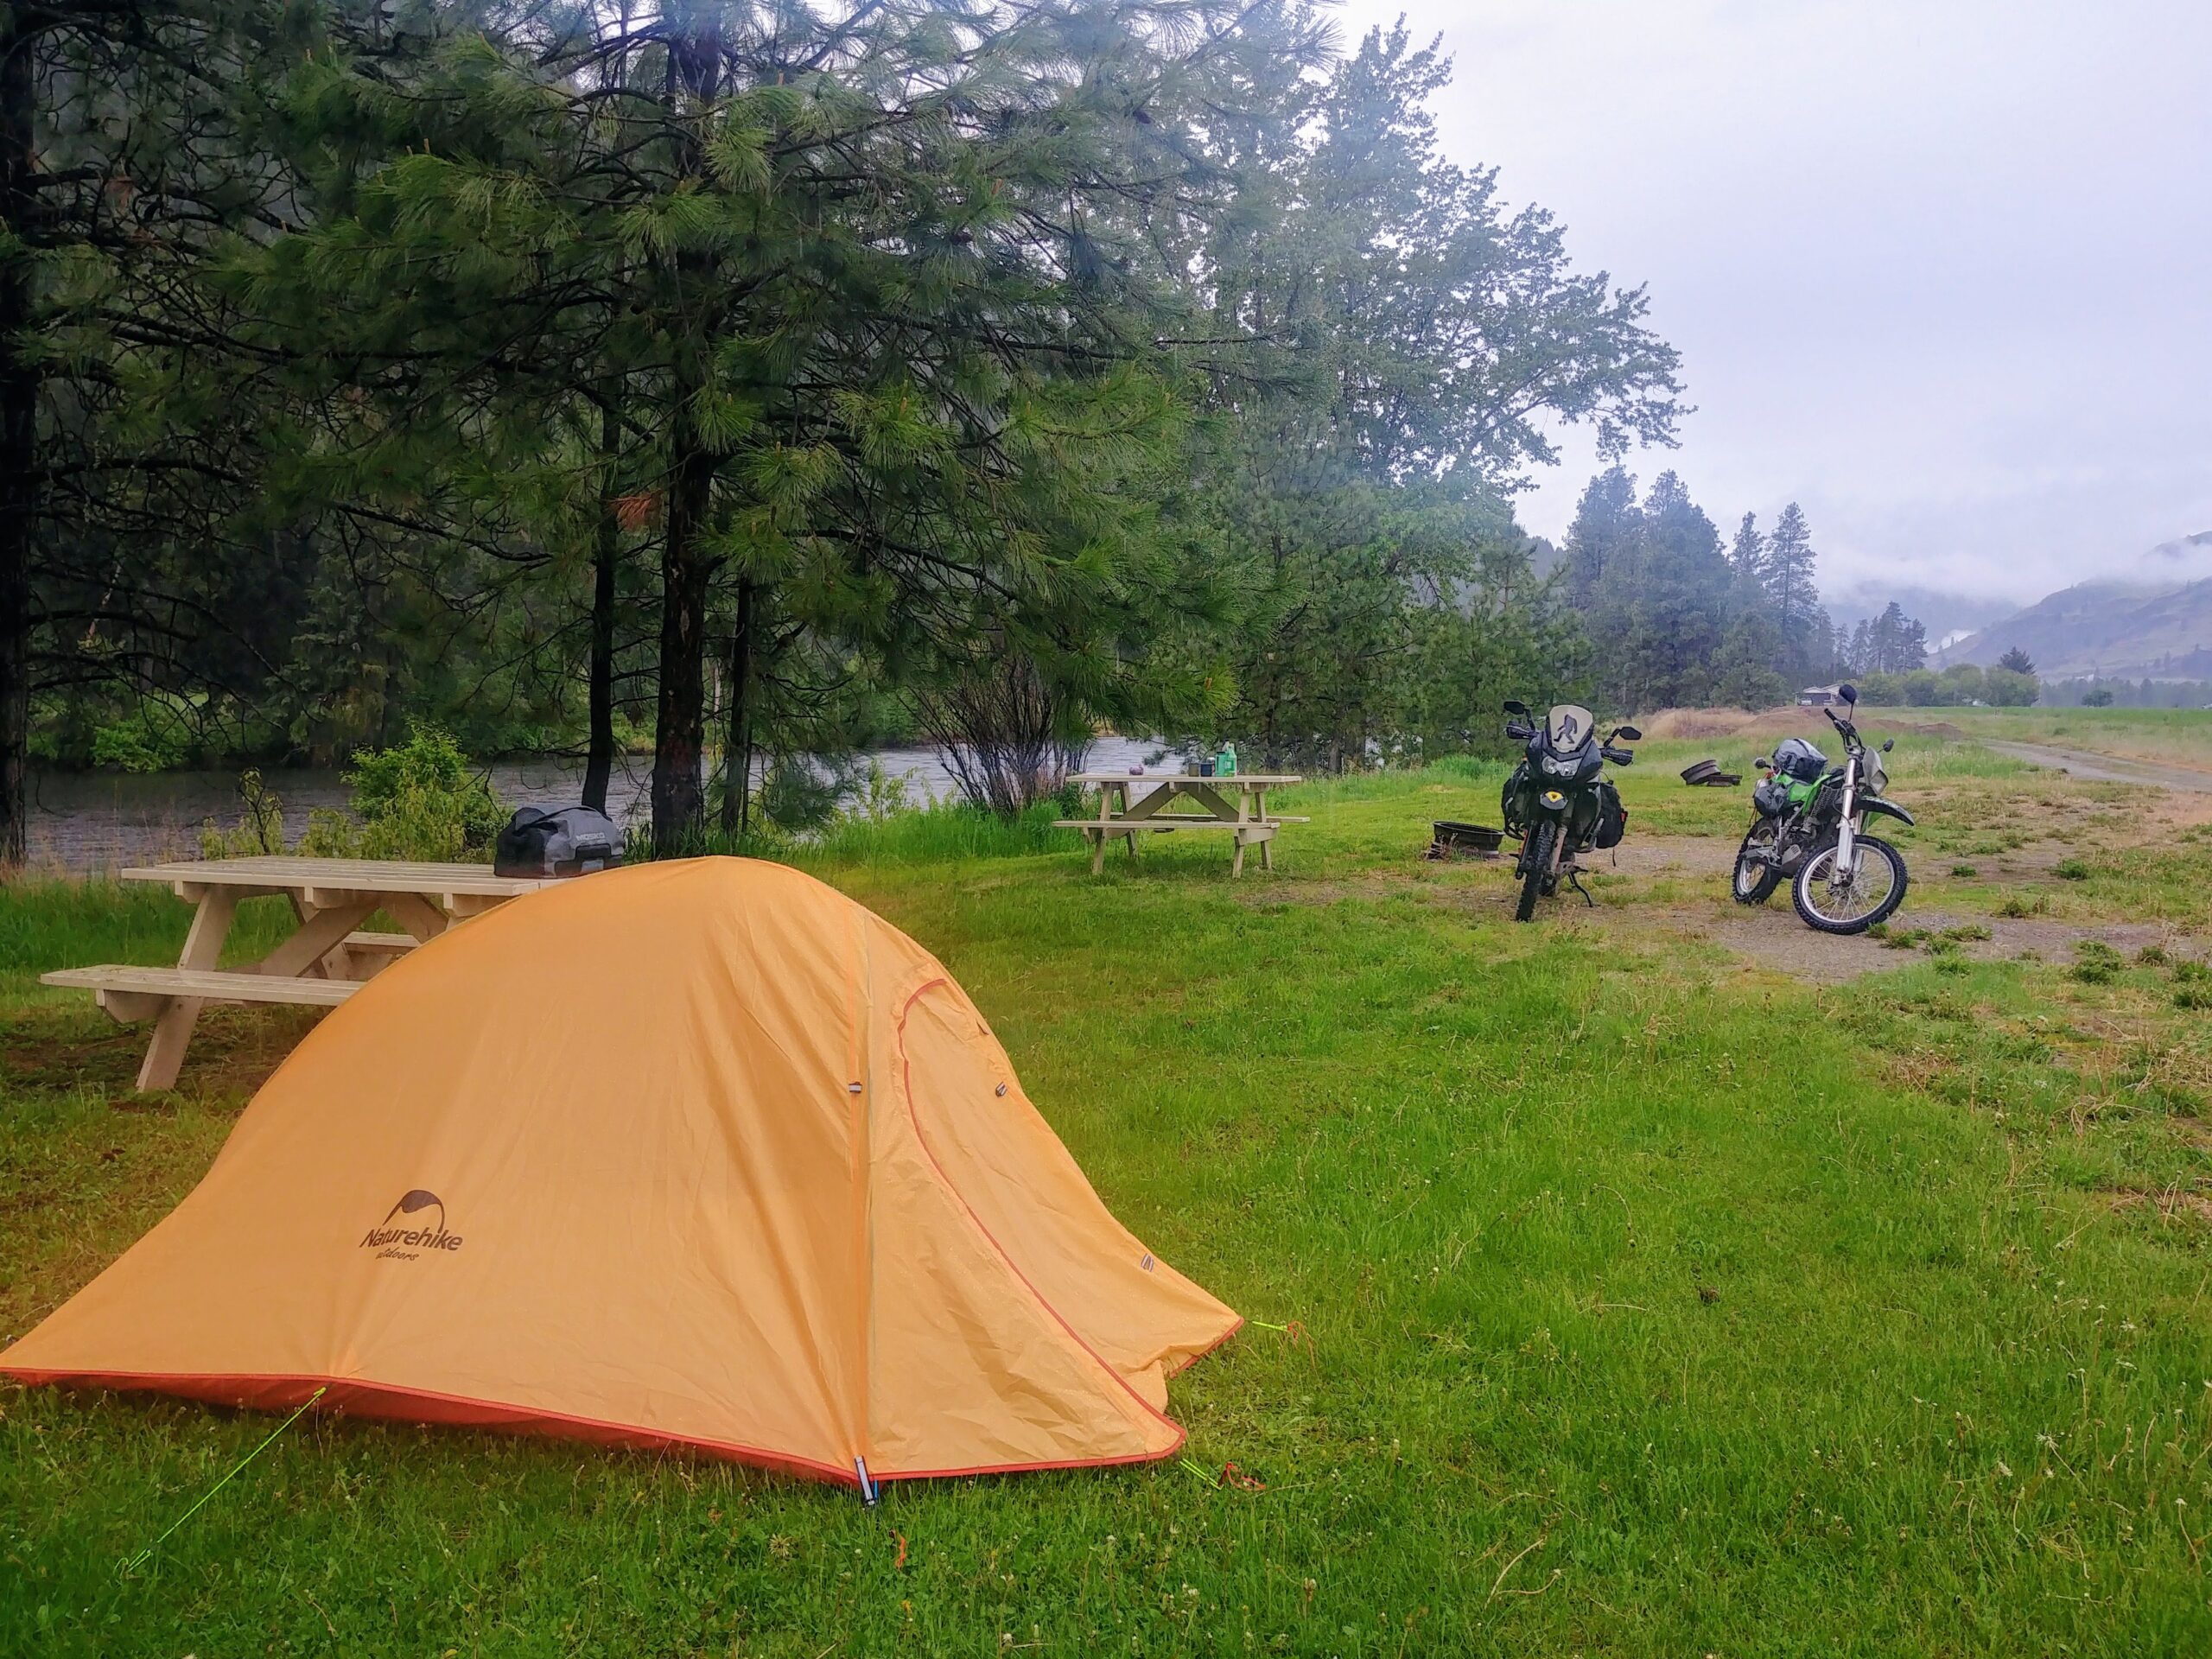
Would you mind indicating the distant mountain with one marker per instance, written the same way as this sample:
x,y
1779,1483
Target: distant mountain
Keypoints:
x,y
2117,630
2190,552
1942,613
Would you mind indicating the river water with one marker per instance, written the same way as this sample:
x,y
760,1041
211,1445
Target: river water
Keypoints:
x,y
87,821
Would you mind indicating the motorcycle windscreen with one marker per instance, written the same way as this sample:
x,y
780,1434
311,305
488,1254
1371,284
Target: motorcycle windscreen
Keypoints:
x,y
1567,727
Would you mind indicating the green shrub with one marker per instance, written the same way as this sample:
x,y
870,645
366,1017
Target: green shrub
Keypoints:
x,y
2070,869
417,799
1962,869
2095,963
151,737
260,828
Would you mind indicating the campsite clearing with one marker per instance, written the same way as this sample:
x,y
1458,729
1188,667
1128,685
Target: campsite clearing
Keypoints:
x,y
1637,1297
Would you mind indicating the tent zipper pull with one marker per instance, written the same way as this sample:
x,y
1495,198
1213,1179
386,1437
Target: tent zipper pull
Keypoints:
x,y
868,1493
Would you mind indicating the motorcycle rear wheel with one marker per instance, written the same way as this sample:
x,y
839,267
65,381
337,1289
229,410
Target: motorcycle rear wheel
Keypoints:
x,y
1873,895
1536,867
1754,882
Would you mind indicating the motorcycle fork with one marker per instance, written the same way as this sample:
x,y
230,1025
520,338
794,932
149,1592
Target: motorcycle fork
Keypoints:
x,y
1846,833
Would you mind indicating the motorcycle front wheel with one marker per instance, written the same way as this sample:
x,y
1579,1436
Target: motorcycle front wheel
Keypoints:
x,y
1537,866
1873,894
1755,881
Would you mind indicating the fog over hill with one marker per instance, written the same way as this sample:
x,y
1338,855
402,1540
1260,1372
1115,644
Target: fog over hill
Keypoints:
x,y
1942,612
2151,620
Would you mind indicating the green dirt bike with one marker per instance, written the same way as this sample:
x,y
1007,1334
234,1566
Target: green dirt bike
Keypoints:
x,y
1810,831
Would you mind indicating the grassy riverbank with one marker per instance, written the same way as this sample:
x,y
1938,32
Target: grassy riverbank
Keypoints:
x,y
1652,1294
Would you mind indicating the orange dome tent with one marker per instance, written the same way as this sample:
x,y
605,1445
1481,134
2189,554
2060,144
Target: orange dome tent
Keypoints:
x,y
697,1155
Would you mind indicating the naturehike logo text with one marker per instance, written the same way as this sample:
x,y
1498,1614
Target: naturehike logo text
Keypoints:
x,y
405,1242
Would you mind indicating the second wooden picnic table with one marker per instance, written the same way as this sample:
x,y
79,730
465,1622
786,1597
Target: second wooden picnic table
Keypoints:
x,y
321,964
1245,815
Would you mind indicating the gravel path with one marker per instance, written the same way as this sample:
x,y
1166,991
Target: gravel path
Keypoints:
x,y
2106,768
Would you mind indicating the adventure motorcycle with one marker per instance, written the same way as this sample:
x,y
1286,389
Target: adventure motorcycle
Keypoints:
x,y
1810,830
1559,801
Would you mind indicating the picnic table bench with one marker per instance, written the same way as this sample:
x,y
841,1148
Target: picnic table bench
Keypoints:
x,y
324,962
1247,818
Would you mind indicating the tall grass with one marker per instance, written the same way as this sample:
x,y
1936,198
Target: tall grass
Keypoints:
x,y
949,832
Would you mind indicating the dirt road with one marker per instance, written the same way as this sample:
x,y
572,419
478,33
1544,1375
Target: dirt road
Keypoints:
x,y
2105,768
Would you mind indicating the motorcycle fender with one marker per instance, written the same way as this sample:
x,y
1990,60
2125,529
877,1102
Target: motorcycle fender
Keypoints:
x,y
1886,810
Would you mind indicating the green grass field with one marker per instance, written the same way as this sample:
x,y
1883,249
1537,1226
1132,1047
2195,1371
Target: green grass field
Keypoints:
x,y
1645,1302
2171,736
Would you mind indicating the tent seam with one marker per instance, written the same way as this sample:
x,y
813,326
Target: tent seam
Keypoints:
x,y
907,1071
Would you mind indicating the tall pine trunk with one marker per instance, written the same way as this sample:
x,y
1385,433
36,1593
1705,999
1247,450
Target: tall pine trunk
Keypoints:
x,y
737,752
19,389
693,75
680,716
599,763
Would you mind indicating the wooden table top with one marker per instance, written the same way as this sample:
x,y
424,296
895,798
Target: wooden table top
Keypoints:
x,y
341,875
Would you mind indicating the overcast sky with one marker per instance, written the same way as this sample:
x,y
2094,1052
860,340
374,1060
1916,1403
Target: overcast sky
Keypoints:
x,y
1940,269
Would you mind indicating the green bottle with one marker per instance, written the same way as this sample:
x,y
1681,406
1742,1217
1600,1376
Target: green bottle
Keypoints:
x,y
1225,764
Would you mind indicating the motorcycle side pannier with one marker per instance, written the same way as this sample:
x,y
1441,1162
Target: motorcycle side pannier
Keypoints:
x,y
1612,815
566,840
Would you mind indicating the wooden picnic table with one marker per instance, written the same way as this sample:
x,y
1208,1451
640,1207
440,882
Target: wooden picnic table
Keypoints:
x,y
322,963
1245,816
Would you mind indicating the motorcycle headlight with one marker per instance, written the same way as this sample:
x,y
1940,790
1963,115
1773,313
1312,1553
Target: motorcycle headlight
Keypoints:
x,y
1559,765
1878,776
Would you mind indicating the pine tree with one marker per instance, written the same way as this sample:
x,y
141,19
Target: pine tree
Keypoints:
x,y
127,426
1788,573
1891,643
1748,554
1607,529
1662,621
866,287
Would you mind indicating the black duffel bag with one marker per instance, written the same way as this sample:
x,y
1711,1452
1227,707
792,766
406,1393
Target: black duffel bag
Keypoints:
x,y
557,841
1613,815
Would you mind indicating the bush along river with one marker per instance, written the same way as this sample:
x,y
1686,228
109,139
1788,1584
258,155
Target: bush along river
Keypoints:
x,y
88,821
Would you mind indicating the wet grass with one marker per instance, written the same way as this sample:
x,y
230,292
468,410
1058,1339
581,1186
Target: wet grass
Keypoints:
x,y
2171,736
1642,1304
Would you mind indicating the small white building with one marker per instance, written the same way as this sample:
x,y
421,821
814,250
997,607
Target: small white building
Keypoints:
x,y
1819,696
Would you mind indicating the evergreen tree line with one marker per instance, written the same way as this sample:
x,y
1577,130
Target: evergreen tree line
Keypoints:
x,y
1889,653
736,381
1687,619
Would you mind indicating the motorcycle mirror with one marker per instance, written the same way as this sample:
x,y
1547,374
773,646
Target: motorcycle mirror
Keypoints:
x,y
1848,693
1888,743
1514,706
1763,764
1629,733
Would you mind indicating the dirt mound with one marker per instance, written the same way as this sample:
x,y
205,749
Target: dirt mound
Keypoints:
x,y
1789,720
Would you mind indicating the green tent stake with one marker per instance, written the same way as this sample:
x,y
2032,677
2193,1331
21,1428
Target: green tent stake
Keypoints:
x,y
1198,1470
1264,1325
146,1555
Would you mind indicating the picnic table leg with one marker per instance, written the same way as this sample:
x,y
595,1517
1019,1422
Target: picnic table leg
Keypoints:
x,y
320,941
203,946
1237,859
1097,839
1267,847
422,919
